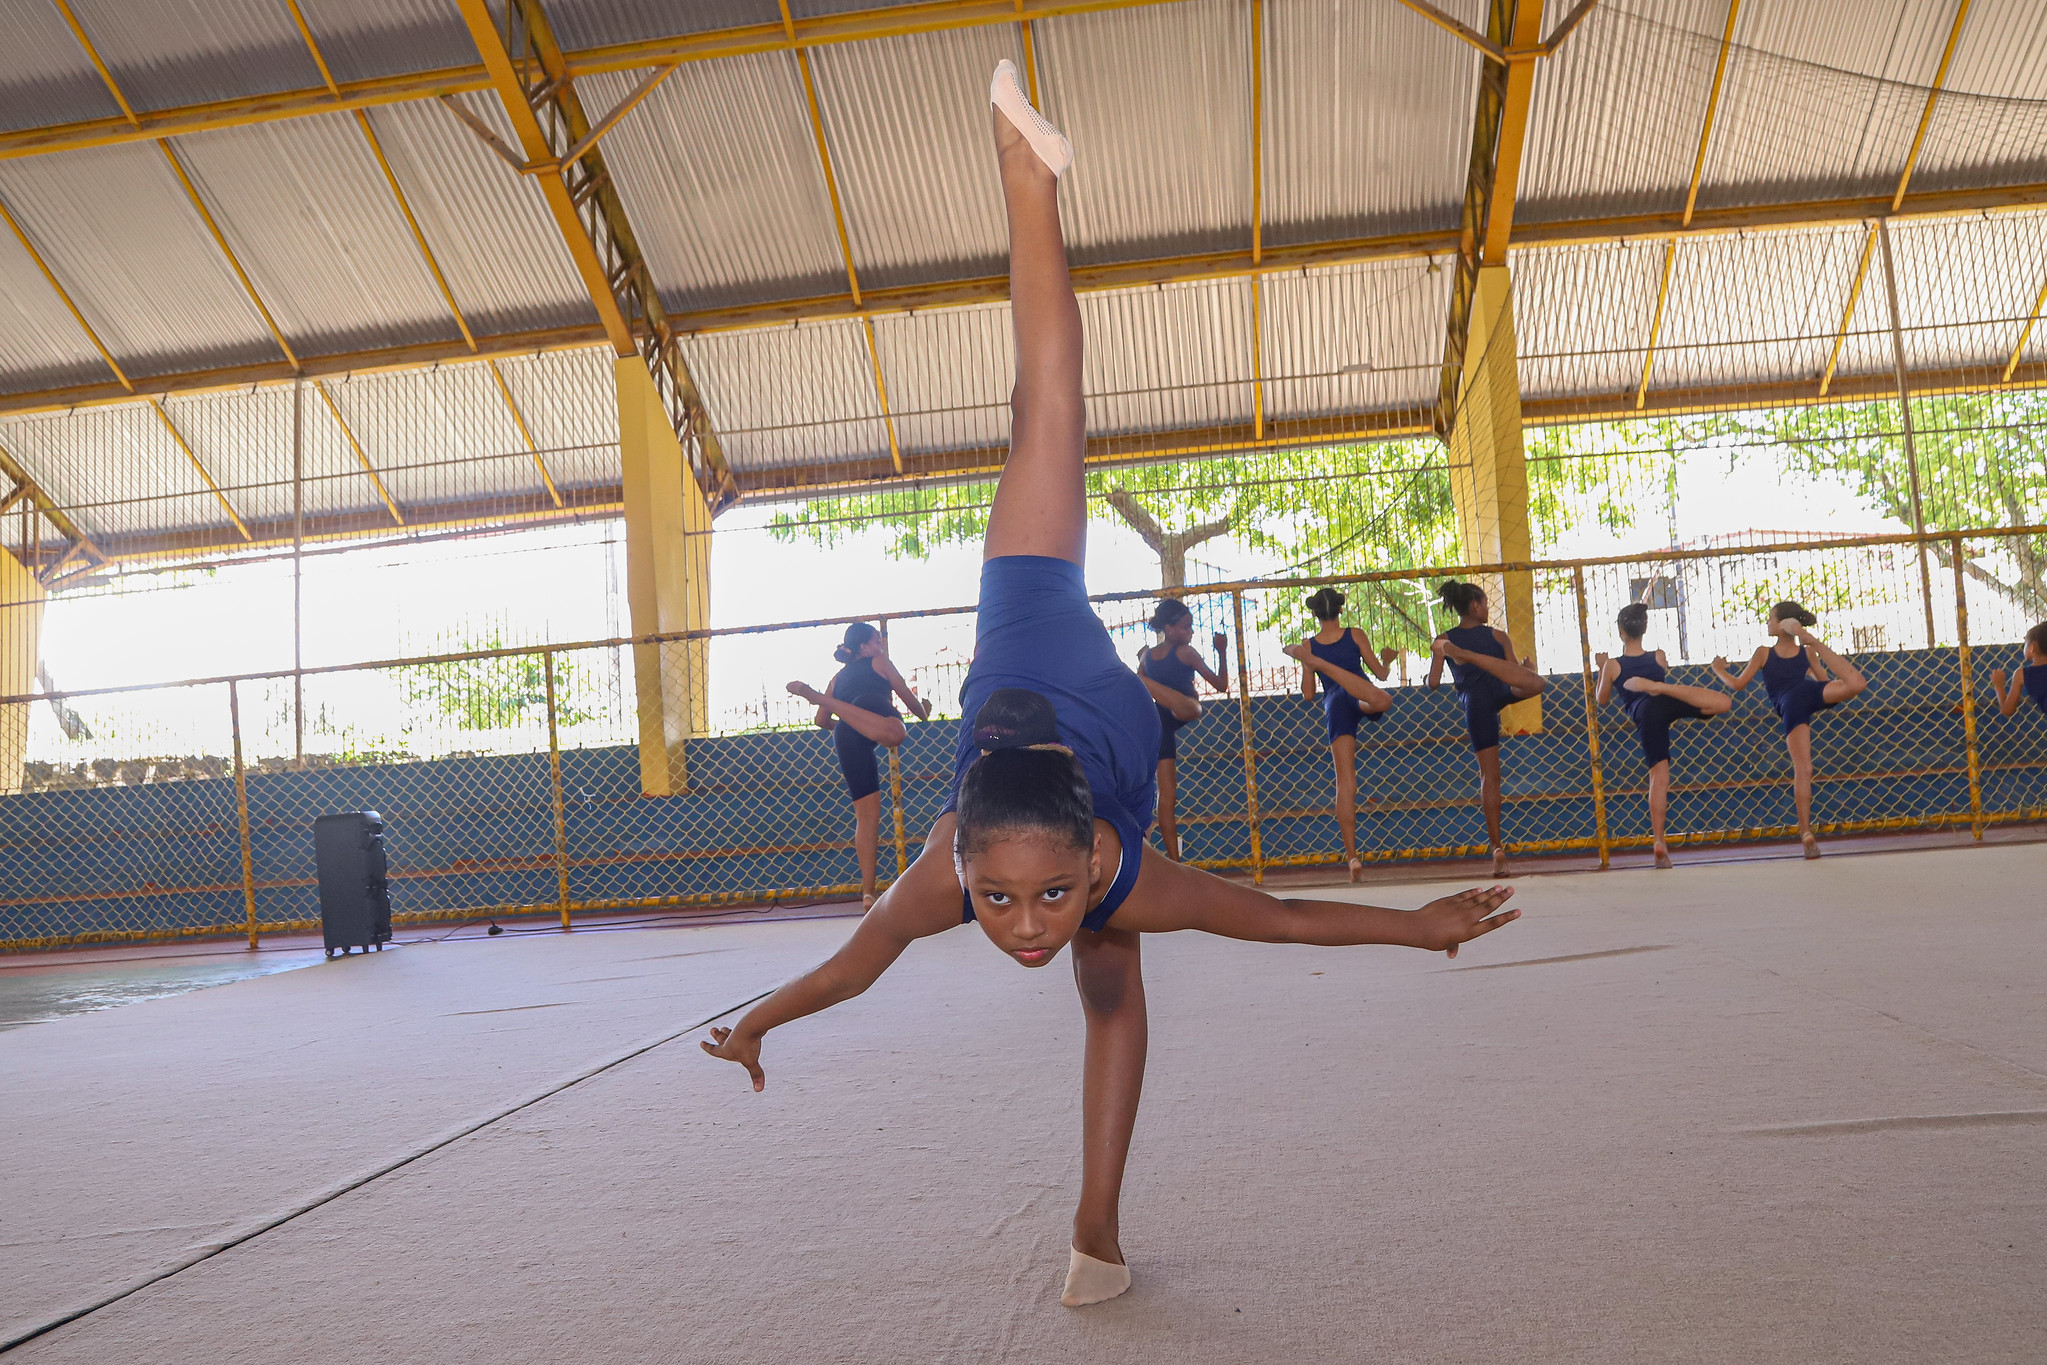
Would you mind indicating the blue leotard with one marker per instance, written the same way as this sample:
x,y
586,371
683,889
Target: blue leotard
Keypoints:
x,y
2036,685
857,684
1652,714
1340,710
1793,691
1036,631
1484,695
1172,672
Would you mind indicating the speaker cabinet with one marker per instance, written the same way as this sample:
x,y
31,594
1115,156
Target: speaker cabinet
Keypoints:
x,y
355,901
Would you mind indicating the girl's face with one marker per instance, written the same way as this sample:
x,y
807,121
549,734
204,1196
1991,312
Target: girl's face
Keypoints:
x,y
875,648
1030,892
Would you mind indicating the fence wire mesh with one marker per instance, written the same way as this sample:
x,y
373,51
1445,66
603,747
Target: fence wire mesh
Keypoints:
x,y
525,780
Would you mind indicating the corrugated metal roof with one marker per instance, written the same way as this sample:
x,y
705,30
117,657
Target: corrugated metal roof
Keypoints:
x,y
781,396
595,23
117,229
1367,120
313,221
906,120
439,436
245,441
1352,339
116,469
1178,355
948,377
567,398
2002,51
365,38
719,173
1582,316
40,345
1757,308
45,76
166,54
1966,289
487,225
1157,102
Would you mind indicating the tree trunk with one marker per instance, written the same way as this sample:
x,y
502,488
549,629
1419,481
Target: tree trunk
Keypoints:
x,y
1170,546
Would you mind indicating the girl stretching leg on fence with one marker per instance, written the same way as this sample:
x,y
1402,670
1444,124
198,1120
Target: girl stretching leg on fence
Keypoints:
x,y
1799,689
1488,680
1043,842
858,709
1653,704
1349,699
1168,670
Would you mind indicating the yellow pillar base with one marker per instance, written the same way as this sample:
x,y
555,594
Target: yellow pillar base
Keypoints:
x,y
668,580
1489,473
21,636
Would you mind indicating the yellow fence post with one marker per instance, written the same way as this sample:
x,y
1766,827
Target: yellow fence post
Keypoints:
x,y
1250,746
1591,722
1968,690
234,721
895,785
554,783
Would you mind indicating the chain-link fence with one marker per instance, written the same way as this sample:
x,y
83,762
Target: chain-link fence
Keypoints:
x,y
518,780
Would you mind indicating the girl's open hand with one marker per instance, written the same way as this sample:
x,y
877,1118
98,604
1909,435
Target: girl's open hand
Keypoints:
x,y
1457,919
747,1052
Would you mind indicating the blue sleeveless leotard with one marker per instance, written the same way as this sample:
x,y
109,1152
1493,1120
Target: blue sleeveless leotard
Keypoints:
x,y
1793,691
1036,631
857,684
1483,694
2036,685
1652,714
1340,711
1171,672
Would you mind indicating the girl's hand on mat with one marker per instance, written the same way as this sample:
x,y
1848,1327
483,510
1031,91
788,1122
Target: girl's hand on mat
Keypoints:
x,y
1457,919
743,1050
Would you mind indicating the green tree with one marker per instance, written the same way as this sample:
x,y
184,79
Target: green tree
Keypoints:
x,y
493,694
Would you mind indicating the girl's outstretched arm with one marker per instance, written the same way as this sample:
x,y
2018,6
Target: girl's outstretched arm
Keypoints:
x,y
1602,692
1734,682
1379,661
1171,896
919,707
923,901
1216,679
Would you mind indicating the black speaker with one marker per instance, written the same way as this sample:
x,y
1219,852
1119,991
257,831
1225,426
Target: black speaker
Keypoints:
x,y
355,902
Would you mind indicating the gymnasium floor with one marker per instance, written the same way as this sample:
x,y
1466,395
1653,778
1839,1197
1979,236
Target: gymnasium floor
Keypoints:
x,y
1737,1112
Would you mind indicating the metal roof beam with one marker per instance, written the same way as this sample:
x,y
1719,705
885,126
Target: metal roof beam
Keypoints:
x,y
535,84
47,505
995,289
929,17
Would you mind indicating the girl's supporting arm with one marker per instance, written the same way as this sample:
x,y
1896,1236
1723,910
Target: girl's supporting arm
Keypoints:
x,y
1734,682
1218,678
923,901
2008,701
1171,896
1608,671
918,707
1436,666
1379,661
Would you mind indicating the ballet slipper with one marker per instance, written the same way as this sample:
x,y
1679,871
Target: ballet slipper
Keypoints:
x,y
1812,847
1499,860
1663,859
1356,870
867,900
1091,1281
1006,93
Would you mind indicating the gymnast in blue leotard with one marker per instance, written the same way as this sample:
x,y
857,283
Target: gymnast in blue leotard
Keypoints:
x,y
1795,672
1482,665
1043,841
1168,670
858,709
1639,680
2028,680
1342,655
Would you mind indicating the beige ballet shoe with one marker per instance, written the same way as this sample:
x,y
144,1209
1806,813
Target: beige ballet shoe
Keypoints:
x,y
1812,847
1091,1281
1006,93
867,901
1663,858
1499,860
1356,870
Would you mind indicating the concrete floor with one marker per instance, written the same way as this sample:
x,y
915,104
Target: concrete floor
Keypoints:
x,y
1738,1112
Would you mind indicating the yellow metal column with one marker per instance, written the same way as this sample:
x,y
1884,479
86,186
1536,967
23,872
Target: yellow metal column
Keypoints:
x,y
1489,473
668,579
21,636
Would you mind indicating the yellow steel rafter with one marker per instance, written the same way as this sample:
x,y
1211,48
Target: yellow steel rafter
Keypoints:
x,y
362,456
883,22
127,386
831,184
1691,201
591,217
192,456
1947,55
1848,313
2026,333
525,432
1257,215
47,505
1030,51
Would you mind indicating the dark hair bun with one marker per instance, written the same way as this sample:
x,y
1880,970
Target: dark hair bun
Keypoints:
x,y
1014,718
1634,619
1326,603
1171,612
1459,596
1788,609
857,636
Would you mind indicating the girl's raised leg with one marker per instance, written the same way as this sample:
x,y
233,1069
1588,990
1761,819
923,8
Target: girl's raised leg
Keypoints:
x,y
1700,698
1525,681
1041,502
1370,697
1847,681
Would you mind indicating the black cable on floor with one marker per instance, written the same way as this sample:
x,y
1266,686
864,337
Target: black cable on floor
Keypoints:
x,y
159,1277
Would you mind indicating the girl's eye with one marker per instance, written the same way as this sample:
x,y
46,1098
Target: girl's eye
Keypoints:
x,y
997,897
1056,893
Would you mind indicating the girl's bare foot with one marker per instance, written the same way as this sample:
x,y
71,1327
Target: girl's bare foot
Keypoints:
x,y
1499,860
1638,684
1662,857
1812,847
1297,651
807,692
